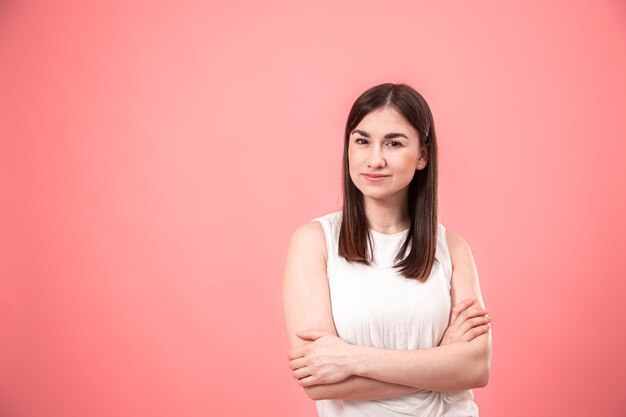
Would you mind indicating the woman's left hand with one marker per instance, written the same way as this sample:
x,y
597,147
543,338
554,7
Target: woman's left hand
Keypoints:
x,y
327,360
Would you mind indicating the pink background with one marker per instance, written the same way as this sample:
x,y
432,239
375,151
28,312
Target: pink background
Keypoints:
x,y
156,156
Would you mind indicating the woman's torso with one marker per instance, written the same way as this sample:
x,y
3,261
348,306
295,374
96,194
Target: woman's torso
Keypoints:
x,y
376,306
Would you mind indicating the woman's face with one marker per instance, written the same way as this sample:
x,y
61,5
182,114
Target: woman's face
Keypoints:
x,y
384,143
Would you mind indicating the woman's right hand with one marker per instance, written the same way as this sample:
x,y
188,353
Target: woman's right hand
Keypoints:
x,y
467,321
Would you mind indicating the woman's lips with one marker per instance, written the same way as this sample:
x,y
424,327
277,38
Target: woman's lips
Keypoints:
x,y
375,178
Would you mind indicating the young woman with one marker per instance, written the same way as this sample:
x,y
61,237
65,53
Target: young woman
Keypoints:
x,y
382,303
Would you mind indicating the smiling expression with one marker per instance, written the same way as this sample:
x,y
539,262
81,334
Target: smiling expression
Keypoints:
x,y
384,144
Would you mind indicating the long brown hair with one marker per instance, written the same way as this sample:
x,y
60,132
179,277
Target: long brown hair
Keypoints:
x,y
422,193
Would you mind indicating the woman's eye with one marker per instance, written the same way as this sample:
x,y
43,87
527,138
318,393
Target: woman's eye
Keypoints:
x,y
397,144
363,141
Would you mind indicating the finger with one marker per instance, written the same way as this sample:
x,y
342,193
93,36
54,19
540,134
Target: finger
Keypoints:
x,y
474,322
476,331
479,312
301,373
308,381
461,307
457,309
298,363
295,353
472,312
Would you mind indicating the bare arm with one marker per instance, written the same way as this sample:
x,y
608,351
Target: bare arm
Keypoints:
x,y
358,388
306,305
451,367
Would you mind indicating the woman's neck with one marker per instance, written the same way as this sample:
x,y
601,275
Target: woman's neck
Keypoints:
x,y
387,217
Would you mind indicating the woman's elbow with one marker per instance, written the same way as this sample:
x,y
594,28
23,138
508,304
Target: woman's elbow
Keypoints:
x,y
316,392
482,361
480,373
483,378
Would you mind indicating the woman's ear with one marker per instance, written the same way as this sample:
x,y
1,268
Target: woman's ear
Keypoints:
x,y
423,160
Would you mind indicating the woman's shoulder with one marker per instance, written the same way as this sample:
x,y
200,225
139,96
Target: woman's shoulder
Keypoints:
x,y
311,231
458,247
310,236
453,238
333,216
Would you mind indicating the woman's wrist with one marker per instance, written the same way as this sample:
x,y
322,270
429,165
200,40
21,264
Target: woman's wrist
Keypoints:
x,y
360,359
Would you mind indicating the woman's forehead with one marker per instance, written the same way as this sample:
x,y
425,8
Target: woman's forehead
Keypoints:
x,y
381,120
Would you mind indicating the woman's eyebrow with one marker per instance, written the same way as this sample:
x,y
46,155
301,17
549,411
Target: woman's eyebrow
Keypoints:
x,y
387,136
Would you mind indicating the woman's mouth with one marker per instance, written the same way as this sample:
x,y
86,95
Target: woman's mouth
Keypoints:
x,y
375,177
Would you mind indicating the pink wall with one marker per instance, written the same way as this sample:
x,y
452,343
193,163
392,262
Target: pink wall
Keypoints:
x,y
156,156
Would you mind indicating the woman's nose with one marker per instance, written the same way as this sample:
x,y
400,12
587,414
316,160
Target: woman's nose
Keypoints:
x,y
376,158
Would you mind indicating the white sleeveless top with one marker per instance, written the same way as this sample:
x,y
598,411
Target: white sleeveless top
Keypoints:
x,y
376,306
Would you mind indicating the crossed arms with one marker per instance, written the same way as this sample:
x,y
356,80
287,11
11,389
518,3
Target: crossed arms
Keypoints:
x,y
329,368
